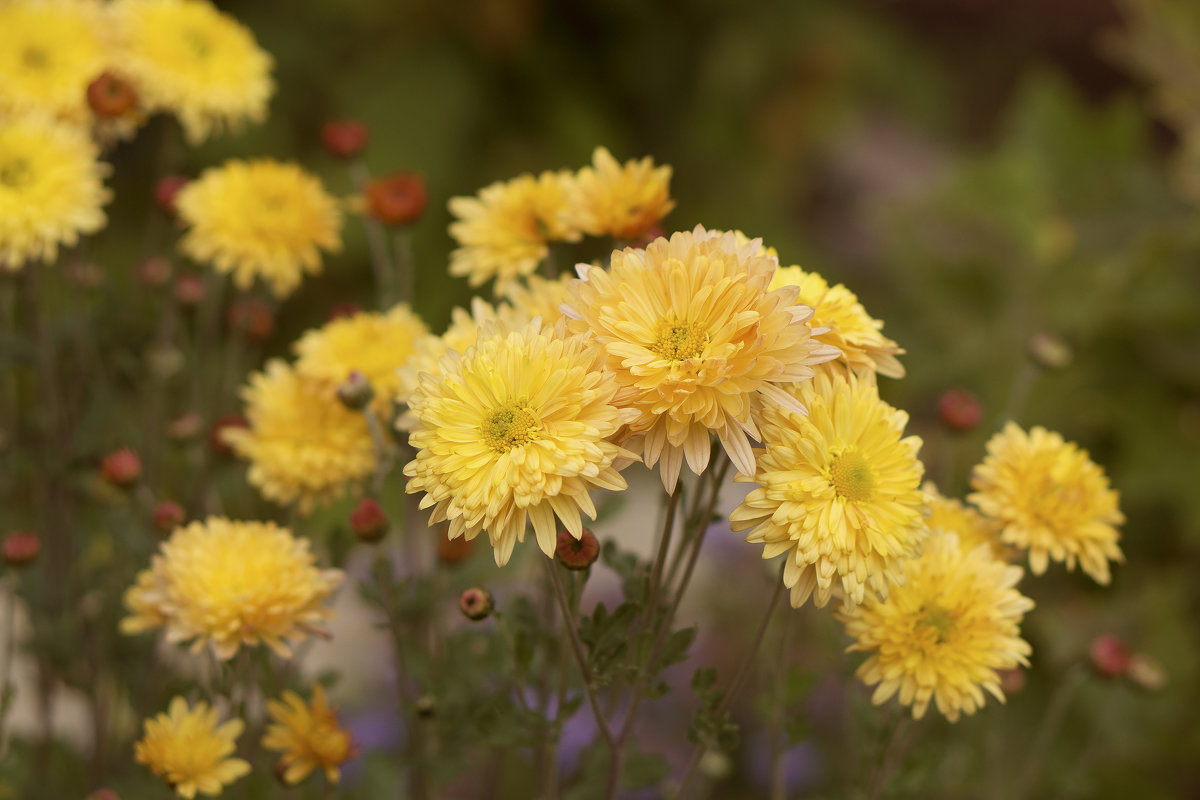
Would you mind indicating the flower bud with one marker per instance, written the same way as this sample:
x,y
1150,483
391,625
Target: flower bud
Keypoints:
x,y
168,516
190,289
154,272
397,199
121,468
185,427
369,522
1011,680
343,310
344,138
166,191
356,393
959,410
20,548
426,706
452,551
476,603
111,97
577,554
1147,673
253,317
1110,655
215,436
1050,351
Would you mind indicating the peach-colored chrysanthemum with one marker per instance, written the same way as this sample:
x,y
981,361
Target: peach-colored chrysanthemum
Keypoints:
x,y
190,749
621,201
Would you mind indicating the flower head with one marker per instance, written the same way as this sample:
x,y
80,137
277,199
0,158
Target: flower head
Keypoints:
x,y
622,201
851,329
1051,499
190,749
536,296
259,219
228,584
697,342
308,736
945,633
190,59
516,429
303,445
973,529
504,232
839,492
51,189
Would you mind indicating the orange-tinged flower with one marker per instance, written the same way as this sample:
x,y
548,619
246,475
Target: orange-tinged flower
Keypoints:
x,y
308,735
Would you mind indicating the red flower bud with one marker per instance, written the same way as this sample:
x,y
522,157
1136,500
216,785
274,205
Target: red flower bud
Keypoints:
x,y
578,553
20,548
228,421
111,97
369,522
344,138
154,272
166,190
476,603
121,468
253,317
190,289
1110,655
168,516
960,410
342,310
397,199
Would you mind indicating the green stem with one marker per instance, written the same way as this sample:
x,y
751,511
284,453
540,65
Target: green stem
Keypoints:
x,y
7,693
1052,720
402,247
377,244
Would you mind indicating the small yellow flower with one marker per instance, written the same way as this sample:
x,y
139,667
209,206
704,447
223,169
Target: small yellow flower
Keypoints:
x,y
973,529
188,749
303,445
230,584
851,329
516,429
188,58
308,736
51,189
259,219
536,296
1050,498
504,232
839,492
942,635
622,201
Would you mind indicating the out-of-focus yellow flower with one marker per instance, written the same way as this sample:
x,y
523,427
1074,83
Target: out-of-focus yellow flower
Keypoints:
x,y
1051,499
504,232
851,329
536,296
308,736
228,584
942,635
839,492
622,201
189,749
51,189
516,429
303,445
973,529
259,219
698,343
188,58
375,343
50,50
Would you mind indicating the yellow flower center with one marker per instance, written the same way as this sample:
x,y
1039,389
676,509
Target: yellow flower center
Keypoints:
x,y
939,619
15,173
852,476
511,425
198,43
677,340
35,58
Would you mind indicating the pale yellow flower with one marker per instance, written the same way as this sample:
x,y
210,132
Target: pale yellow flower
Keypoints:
x,y
190,749
621,201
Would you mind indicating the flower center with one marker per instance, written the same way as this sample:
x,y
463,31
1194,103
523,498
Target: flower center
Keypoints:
x,y
852,476
15,173
35,58
197,42
677,340
939,619
512,425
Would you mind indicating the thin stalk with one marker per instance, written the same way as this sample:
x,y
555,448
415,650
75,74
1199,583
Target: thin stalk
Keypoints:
x,y
893,753
551,264
377,245
402,247
7,693
383,461
1048,728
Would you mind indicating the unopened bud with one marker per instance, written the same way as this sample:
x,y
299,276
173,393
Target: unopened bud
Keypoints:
x,y
356,393
166,191
1012,680
216,436
253,317
185,427
111,97
343,310
1110,655
1050,351
959,410
1147,673
190,290
121,468
168,516
398,199
154,272
368,521
344,138
578,553
476,603
452,551
20,548
426,706
85,274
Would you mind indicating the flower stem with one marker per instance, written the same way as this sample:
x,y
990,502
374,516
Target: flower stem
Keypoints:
x,y
377,244
7,692
1056,711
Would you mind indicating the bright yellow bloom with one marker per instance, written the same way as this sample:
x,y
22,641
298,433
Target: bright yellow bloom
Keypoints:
x,y
943,634
839,492
230,584
259,219
622,201
188,58
374,343
303,445
973,529
536,296
50,50
308,736
51,189
516,429
851,329
188,749
697,342
504,232
1051,498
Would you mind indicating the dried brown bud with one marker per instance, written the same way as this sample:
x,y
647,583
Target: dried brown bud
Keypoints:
x,y
344,138
356,393
476,603
397,199
121,468
960,410
578,553
369,522
20,548
111,97
168,516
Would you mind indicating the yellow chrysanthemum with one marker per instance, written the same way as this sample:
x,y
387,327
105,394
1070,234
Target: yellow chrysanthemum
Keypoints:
x,y
376,344
505,230
943,634
194,61
50,50
851,329
228,584
516,429
536,296
622,201
303,445
1050,498
697,342
973,529
190,749
259,219
308,736
839,492
51,189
